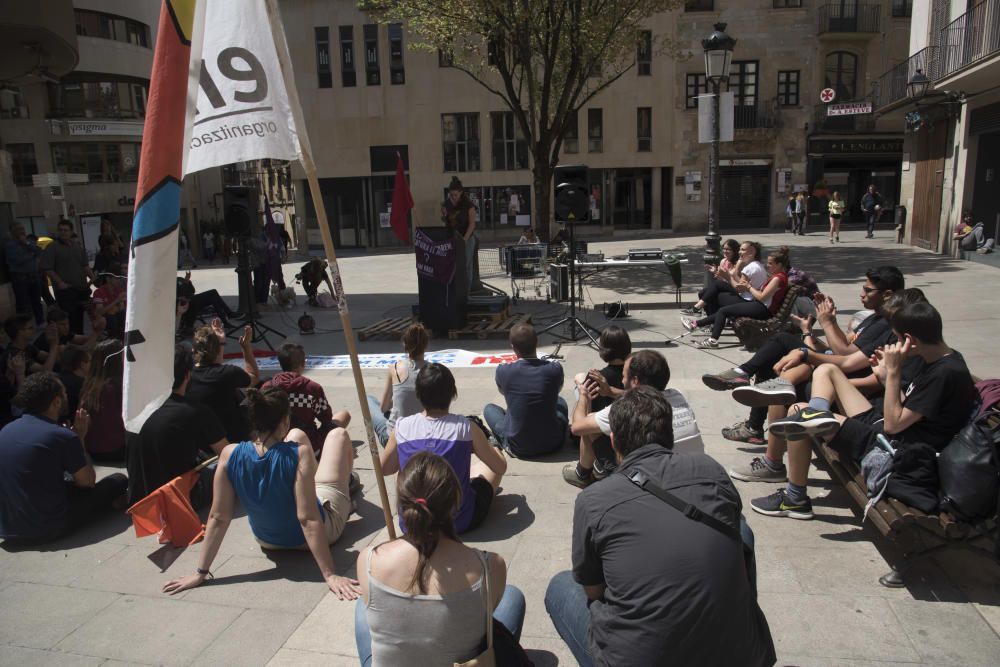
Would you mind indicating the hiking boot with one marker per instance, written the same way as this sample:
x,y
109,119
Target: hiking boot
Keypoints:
x,y
759,471
777,504
815,423
743,432
769,392
726,380
570,477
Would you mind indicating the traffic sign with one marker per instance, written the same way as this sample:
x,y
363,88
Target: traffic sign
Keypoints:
x,y
827,95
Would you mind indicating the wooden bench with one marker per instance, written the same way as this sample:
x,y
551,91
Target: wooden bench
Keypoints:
x,y
917,534
754,333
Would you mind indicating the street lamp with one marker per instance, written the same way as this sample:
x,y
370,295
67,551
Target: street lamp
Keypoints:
x,y
718,56
918,85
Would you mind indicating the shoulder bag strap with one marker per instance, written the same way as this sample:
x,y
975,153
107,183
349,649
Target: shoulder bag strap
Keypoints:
x,y
484,558
639,478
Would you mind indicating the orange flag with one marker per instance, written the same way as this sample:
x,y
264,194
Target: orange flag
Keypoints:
x,y
167,512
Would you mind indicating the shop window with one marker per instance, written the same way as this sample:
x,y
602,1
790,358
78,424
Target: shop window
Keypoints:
x,y
595,131
373,76
348,75
510,149
23,162
460,140
324,74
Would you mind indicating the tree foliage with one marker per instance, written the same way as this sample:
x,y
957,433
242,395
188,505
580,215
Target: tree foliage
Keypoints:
x,y
544,58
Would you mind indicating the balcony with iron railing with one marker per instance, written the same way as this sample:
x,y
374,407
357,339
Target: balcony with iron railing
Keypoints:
x,y
972,38
760,116
891,87
849,19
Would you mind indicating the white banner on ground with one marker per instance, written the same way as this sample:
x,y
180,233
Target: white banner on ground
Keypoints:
x,y
449,358
238,106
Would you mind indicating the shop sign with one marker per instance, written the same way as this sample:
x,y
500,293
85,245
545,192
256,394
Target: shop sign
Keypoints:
x,y
855,146
125,200
90,128
849,109
744,163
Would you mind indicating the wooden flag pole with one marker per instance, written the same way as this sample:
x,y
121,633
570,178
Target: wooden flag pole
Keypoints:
x,y
277,31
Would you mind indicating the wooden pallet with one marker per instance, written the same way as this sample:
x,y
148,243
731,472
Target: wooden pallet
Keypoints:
x,y
390,328
490,327
482,315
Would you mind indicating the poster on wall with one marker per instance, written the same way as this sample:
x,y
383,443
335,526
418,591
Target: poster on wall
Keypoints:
x,y
692,185
595,202
782,180
522,220
90,226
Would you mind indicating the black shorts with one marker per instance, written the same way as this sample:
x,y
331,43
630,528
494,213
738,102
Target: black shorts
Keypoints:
x,y
835,216
484,498
858,435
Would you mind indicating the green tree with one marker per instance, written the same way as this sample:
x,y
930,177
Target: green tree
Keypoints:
x,y
544,58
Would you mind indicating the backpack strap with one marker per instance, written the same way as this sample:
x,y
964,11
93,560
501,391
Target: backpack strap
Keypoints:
x,y
640,479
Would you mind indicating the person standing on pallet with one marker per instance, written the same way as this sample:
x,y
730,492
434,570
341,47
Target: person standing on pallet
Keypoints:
x,y
459,215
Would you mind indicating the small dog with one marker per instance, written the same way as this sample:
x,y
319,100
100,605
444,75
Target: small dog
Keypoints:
x,y
285,298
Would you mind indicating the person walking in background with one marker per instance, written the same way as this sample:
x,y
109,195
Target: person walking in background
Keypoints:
x,y
790,214
836,207
184,251
871,206
208,246
800,214
22,267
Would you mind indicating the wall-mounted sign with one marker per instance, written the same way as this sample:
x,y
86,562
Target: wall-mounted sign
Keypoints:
x,y
855,146
782,180
849,109
125,200
827,95
692,185
98,128
744,163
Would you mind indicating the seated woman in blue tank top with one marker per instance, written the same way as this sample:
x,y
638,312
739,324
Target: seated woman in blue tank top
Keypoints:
x,y
292,501
478,465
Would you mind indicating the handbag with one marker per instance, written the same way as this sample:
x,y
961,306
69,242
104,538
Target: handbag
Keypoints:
x,y
487,657
969,470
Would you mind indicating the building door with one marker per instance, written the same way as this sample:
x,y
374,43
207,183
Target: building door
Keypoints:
x,y
666,197
986,191
931,146
746,194
633,198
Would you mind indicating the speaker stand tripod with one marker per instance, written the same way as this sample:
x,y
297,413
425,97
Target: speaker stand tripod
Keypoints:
x,y
576,327
248,301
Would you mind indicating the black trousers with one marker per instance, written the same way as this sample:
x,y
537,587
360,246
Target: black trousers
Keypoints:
x,y
710,295
71,300
734,306
85,506
761,365
28,296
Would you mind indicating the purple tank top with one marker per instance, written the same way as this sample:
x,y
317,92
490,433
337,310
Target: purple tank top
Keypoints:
x,y
450,437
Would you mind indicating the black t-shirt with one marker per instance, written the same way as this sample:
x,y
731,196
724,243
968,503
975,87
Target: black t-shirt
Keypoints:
x,y
873,332
944,394
42,343
74,385
676,589
217,387
35,453
614,374
168,444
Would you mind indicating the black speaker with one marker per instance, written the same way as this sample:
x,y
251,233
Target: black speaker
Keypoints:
x,y
572,197
239,210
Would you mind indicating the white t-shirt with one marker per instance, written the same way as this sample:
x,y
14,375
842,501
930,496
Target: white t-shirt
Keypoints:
x,y
687,436
756,273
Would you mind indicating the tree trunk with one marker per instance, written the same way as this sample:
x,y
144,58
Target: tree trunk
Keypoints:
x,y
542,174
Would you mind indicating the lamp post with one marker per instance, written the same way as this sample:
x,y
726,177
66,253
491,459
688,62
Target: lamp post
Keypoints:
x,y
718,56
917,86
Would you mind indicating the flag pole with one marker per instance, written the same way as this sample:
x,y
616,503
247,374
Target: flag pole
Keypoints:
x,y
278,33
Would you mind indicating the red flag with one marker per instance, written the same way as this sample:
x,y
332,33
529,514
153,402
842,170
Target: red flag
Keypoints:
x,y
167,512
402,202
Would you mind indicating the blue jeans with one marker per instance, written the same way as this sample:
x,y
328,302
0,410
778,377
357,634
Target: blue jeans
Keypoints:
x,y
496,419
566,603
379,422
510,612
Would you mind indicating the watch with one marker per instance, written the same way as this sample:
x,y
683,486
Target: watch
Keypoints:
x,y
805,353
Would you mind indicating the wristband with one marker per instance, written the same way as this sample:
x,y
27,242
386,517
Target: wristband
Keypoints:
x,y
205,573
805,353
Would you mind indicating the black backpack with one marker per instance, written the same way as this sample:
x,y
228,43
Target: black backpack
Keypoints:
x,y
969,470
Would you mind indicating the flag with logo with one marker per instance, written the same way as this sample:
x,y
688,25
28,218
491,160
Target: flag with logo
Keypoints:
x,y
217,96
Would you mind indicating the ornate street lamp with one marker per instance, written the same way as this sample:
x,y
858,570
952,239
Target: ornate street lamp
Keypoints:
x,y
718,56
918,85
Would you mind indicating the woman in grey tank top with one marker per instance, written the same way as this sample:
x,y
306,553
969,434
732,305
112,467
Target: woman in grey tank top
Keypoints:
x,y
424,595
399,394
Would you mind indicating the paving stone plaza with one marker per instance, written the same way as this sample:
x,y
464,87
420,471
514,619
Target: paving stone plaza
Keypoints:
x,y
94,598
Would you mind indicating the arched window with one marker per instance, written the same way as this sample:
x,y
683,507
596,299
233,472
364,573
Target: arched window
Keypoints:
x,y
842,75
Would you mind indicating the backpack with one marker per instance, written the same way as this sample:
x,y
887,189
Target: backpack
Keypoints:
x,y
969,470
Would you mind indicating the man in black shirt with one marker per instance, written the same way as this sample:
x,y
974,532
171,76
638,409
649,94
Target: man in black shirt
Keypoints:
x,y
648,582
173,438
217,385
931,408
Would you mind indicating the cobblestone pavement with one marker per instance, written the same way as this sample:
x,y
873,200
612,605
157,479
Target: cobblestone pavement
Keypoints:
x,y
94,598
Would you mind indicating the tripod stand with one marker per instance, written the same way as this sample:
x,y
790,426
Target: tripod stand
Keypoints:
x,y
248,300
574,324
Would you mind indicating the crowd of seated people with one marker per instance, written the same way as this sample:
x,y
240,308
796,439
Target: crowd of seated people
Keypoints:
x,y
399,394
